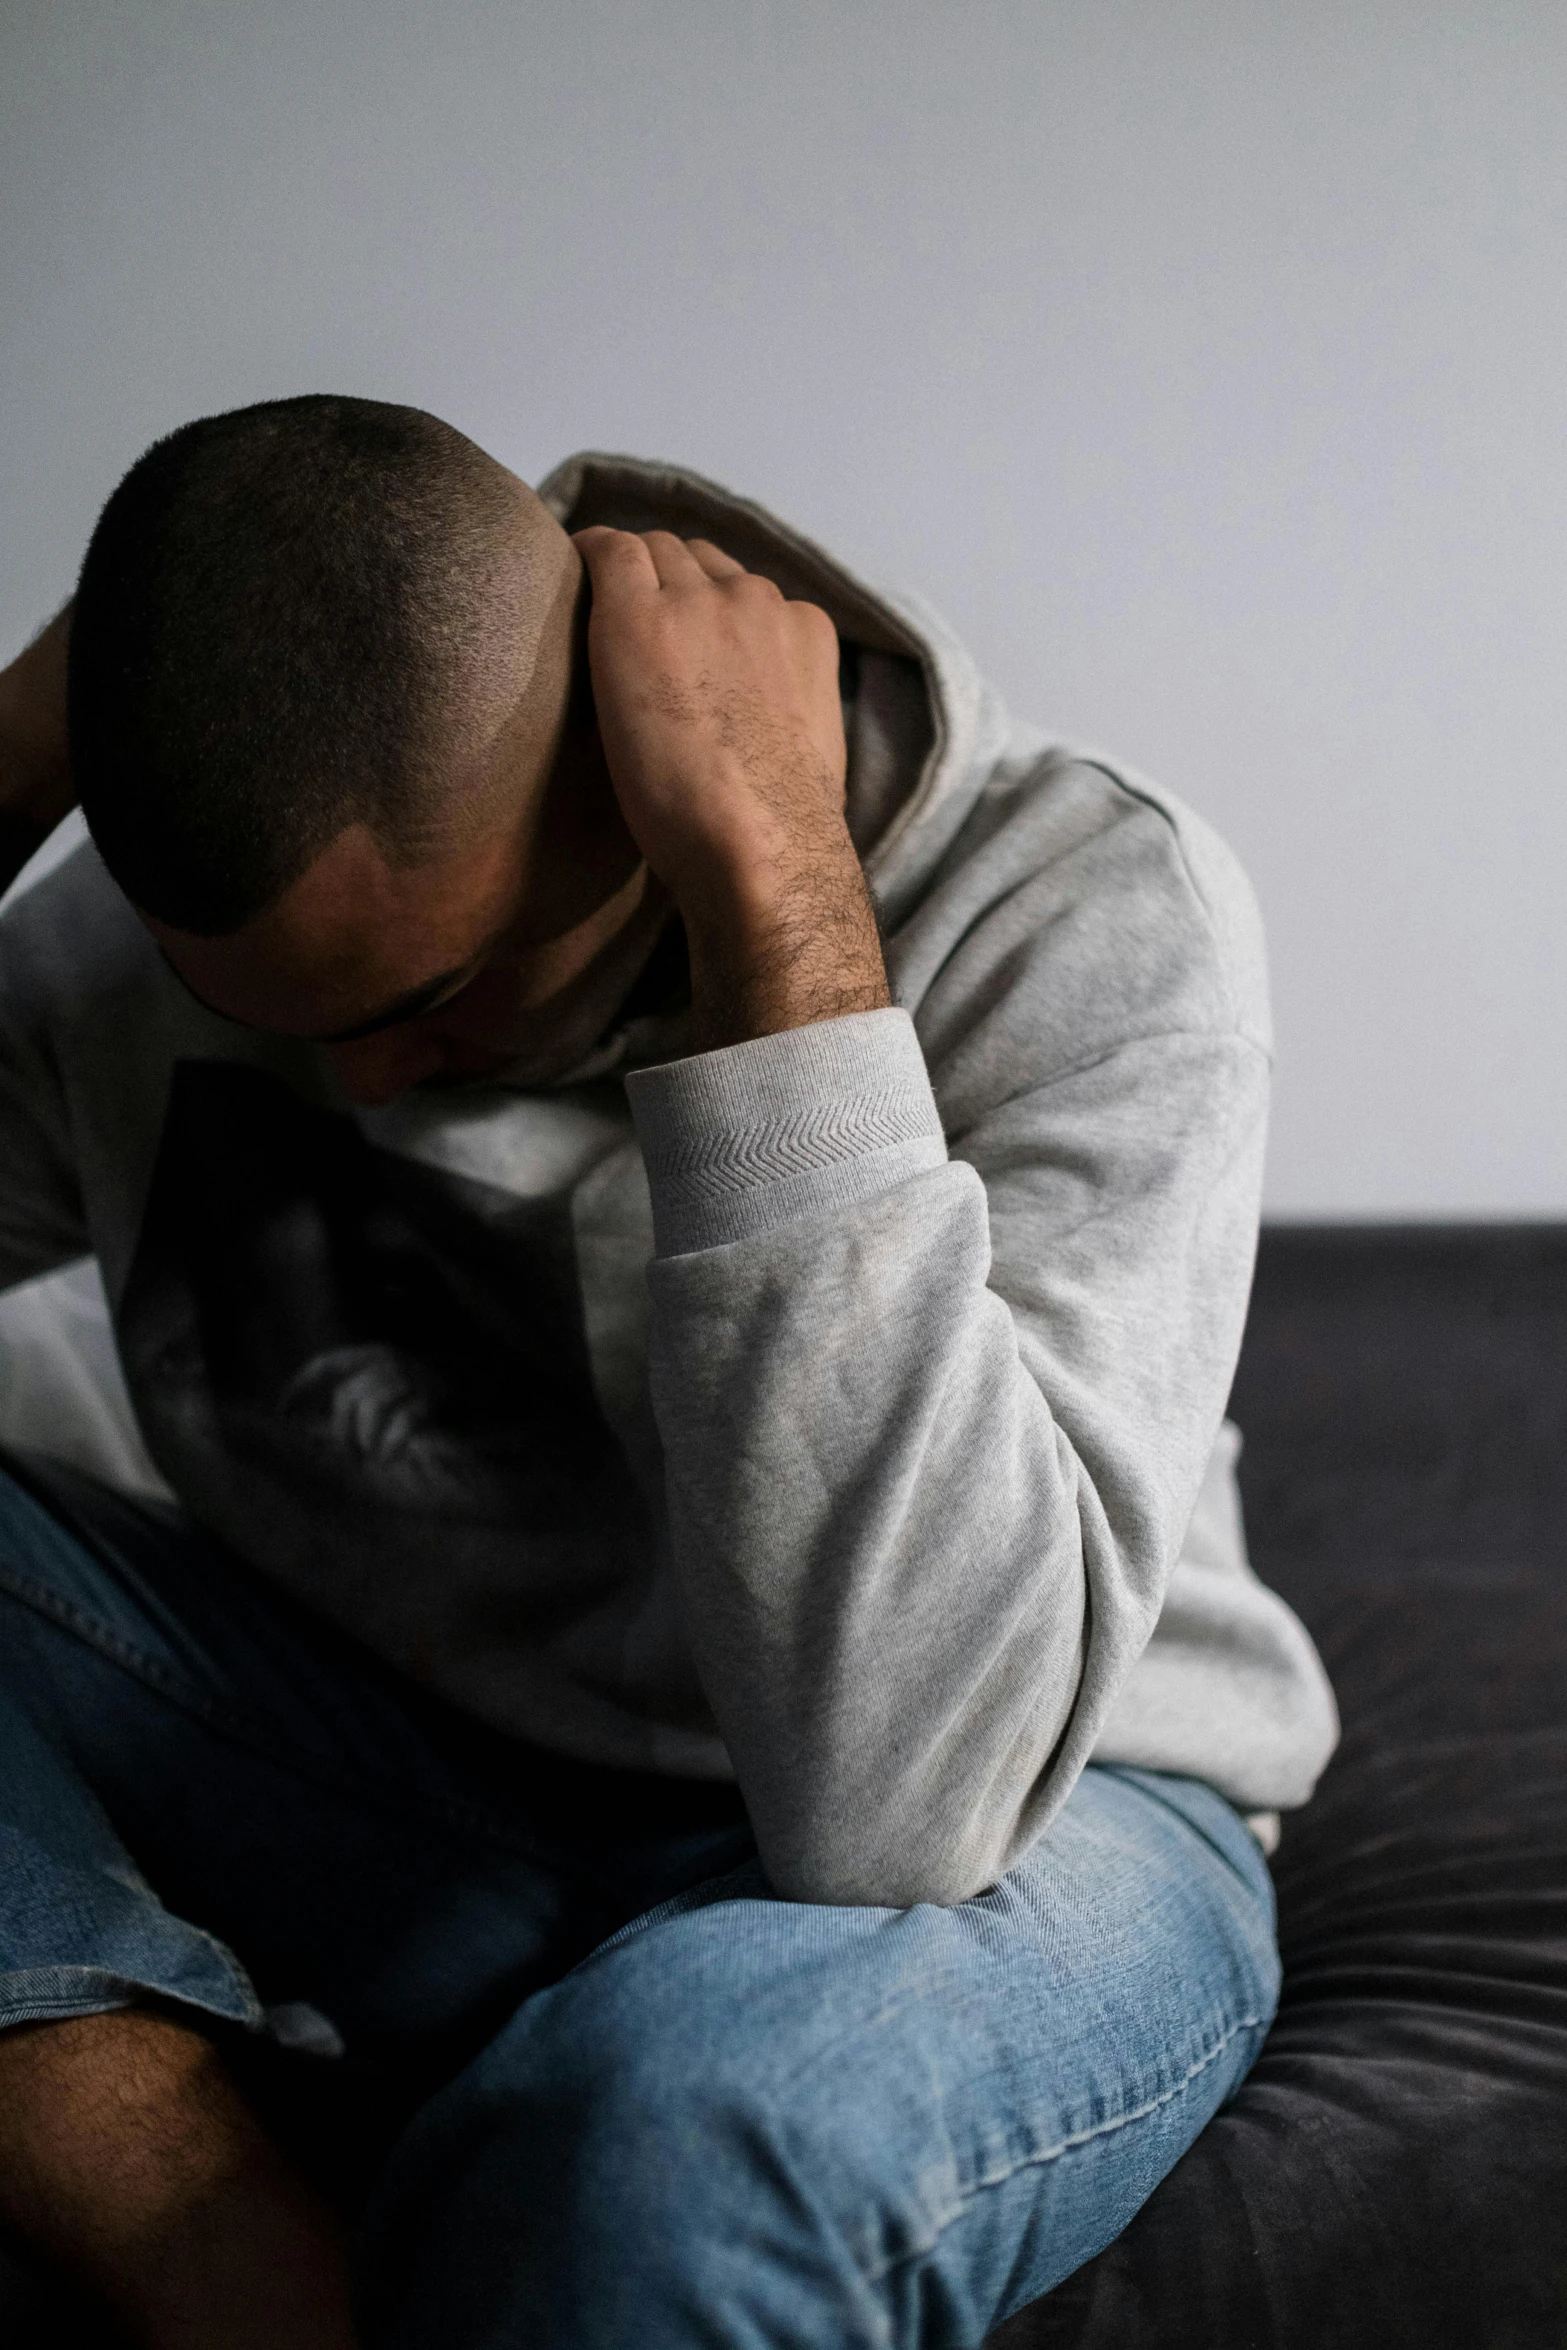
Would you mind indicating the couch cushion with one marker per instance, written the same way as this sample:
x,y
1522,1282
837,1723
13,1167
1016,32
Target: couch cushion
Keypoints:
x,y
1394,2172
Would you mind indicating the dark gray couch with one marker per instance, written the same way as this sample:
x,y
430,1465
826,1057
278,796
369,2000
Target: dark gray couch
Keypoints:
x,y
1393,2175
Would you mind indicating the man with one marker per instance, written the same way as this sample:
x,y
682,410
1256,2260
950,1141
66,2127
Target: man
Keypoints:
x,y
678,1198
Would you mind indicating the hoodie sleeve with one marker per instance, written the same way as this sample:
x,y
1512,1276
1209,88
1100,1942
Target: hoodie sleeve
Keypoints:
x,y
936,1405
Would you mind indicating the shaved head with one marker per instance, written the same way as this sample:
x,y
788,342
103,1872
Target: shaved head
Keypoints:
x,y
306,618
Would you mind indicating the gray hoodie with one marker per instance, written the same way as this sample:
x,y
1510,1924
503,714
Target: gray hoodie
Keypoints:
x,y
840,1411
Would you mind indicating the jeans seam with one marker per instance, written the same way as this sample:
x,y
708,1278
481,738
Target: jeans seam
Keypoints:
x,y
52,2011
241,1729
1066,2145
114,1988
91,1629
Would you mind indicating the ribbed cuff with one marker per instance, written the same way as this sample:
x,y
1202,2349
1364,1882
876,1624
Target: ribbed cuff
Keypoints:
x,y
740,1141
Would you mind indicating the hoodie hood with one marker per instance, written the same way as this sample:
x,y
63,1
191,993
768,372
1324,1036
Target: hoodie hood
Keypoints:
x,y
924,729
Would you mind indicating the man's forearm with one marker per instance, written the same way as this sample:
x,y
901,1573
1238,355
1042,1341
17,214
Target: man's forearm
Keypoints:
x,y
129,2160
807,949
35,772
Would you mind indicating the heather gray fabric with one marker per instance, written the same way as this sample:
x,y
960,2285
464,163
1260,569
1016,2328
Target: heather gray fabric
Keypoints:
x,y
852,1423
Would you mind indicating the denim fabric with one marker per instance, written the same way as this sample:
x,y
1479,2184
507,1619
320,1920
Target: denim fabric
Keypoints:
x,y
622,2091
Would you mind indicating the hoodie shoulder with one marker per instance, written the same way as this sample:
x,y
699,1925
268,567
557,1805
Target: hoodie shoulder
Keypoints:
x,y
1079,911
1221,888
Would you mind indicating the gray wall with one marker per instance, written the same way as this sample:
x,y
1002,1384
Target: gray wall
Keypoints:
x,y
1204,363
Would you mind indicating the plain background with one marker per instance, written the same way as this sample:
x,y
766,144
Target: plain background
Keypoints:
x,y
1204,363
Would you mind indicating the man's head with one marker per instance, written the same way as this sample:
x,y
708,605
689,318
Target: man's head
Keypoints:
x,y
324,675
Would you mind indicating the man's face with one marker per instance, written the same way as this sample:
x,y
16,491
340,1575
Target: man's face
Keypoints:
x,y
442,969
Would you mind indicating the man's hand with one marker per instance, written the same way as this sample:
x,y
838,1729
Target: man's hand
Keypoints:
x,y
718,707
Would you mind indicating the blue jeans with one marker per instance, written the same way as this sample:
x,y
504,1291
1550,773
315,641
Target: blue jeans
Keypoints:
x,y
585,2079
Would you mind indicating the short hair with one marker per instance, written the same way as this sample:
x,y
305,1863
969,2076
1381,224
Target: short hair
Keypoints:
x,y
277,614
